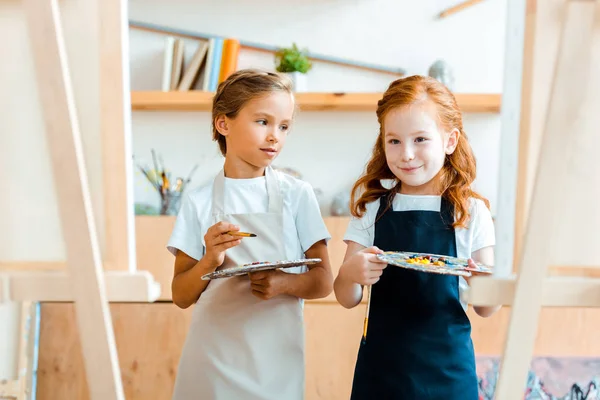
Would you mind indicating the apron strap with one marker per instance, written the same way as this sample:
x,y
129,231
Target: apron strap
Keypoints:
x,y
273,191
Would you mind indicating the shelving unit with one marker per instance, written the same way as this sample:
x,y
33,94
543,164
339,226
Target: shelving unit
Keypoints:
x,y
317,101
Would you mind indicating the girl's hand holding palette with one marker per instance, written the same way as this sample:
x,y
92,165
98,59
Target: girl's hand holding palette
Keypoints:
x,y
259,266
433,263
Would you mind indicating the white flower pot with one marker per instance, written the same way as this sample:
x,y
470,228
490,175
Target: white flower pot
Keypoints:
x,y
299,81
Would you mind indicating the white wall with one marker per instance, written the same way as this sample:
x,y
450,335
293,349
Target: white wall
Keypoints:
x,y
328,148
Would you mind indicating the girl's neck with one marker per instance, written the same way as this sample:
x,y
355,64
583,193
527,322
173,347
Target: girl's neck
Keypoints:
x,y
430,188
236,168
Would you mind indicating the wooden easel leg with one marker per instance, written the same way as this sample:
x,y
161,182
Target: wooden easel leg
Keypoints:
x,y
75,210
568,95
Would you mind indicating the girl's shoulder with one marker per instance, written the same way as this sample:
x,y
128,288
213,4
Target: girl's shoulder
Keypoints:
x,y
290,185
480,216
201,194
477,208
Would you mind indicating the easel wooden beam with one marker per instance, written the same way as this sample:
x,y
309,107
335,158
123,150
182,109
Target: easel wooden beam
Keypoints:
x,y
509,138
115,126
75,210
564,125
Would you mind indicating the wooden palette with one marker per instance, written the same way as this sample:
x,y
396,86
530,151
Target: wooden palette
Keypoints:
x,y
259,266
432,263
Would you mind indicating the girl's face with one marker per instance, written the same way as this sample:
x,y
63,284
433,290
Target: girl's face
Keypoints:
x,y
257,134
416,147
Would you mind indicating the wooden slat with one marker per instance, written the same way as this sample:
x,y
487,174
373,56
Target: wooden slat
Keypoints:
x,y
202,101
121,286
556,291
115,126
459,7
74,202
564,126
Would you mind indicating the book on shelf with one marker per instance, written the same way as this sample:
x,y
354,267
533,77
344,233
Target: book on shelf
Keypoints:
x,y
176,71
193,71
212,62
229,59
167,63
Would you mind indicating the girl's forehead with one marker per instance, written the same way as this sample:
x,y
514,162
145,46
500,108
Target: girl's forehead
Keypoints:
x,y
276,102
414,117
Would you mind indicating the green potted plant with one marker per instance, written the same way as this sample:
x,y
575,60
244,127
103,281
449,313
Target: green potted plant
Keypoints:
x,y
295,63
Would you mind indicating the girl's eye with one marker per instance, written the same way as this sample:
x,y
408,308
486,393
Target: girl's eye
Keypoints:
x,y
420,139
394,141
262,121
284,127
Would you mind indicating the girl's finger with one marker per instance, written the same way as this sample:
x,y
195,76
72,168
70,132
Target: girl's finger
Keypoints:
x,y
227,245
375,260
373,250
256,287
372,281
224,238
376,273
221,228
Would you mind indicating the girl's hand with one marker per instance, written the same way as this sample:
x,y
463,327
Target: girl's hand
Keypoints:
x,y
363,267
472,265
268,284
217,241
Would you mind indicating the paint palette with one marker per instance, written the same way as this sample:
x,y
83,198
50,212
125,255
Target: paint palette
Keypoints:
x,y
433,263
259,266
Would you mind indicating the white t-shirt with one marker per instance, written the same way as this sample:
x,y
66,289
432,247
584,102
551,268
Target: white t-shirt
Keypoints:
x,y
303,225
478,234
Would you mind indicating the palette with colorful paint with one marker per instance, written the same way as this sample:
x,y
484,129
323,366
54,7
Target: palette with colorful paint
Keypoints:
x,y
433,263
259,266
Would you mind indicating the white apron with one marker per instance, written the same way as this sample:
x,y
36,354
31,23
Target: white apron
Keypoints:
x,y
240,347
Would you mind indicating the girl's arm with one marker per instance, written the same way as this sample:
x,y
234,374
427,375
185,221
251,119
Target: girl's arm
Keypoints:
x,y
187,285
360,267
485,256
318,281
314,284
347,292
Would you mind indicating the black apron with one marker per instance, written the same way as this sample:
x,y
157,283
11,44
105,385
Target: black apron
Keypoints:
x,y
419,337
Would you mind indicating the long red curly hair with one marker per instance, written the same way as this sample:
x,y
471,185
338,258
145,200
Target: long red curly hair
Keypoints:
x,y
458,173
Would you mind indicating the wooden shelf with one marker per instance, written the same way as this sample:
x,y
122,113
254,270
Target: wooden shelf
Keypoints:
x,y
201,101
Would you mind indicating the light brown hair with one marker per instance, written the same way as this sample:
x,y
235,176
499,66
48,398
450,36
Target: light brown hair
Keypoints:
x,y
459,169
239,88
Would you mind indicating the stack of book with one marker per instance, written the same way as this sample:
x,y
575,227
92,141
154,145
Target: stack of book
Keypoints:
x,y
213,61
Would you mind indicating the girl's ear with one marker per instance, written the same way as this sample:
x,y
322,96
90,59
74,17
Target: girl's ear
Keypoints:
x,y
452,142
221,125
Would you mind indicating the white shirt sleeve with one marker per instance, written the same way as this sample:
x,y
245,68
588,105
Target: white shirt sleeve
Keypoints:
x,y
481,226
362,230
188,232
309,222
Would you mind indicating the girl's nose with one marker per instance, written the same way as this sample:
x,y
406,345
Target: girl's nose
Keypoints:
x,y
272,136
407,154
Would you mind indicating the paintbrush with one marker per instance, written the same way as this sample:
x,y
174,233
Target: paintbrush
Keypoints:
x,y
241,234
366,324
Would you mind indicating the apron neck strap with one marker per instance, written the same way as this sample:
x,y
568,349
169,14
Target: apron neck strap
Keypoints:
x,y
273,191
